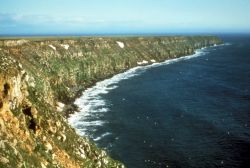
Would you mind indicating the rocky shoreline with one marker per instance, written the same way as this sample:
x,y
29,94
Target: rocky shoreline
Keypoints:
x,y
40,79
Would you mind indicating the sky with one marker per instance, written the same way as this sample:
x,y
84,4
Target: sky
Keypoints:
x,y
123,16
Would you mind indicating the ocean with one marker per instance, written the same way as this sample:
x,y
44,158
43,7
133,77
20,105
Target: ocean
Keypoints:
x,y
192,111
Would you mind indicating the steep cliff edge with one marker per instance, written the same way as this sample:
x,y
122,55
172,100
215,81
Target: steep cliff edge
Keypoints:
x,y
39,79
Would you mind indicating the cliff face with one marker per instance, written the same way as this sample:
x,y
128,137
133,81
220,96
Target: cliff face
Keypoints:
x,y
39,78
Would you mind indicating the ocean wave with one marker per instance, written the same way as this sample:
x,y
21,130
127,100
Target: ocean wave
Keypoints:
x,y
92,105
221,45
102,136
226,44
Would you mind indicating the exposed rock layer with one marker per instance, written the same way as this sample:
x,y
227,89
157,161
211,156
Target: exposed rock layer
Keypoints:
x,y
39,79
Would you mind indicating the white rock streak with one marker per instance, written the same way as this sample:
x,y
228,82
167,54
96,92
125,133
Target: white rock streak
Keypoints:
x,y
53,47
59,106
65,46
121,44
142,62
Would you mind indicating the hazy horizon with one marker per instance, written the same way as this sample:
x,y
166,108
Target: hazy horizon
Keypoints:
x,y
76,17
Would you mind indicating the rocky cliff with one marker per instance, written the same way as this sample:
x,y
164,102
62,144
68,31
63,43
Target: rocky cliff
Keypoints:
x,y
39,79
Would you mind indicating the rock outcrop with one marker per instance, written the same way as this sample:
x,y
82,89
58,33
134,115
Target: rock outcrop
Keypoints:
x,y
39,79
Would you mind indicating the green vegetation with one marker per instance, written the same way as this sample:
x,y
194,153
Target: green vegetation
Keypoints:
x,y
41,77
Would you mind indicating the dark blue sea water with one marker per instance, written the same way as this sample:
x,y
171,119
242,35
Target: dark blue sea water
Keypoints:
x,y
191,112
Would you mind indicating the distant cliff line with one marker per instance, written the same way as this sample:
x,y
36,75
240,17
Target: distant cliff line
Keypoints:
x,y
40,78
73,64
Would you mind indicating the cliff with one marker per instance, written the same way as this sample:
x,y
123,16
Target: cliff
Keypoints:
x,y
39,79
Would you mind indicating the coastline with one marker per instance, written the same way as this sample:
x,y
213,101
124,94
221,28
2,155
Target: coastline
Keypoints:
x,y
75,109
126,74
72,108
40,80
